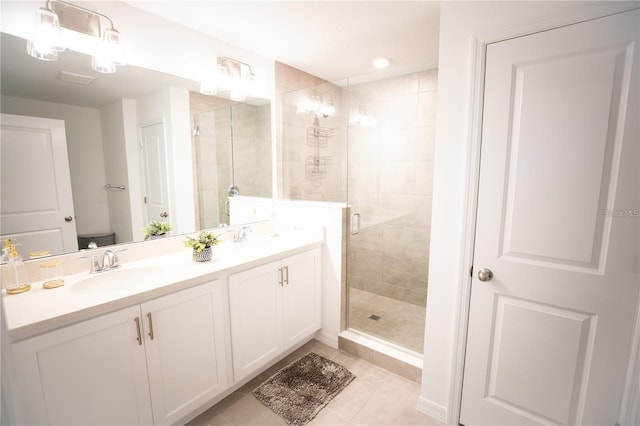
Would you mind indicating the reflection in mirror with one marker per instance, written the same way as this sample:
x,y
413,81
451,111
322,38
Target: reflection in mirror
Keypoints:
x,y
225,133
105,123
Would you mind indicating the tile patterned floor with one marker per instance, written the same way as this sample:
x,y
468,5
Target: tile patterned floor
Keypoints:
x,y
400,322
375,397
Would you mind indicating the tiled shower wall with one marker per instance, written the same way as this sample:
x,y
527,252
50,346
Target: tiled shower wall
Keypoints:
x,y
303,178
390,185
383,169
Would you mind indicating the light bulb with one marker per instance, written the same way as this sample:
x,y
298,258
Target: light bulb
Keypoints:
x,y
47,36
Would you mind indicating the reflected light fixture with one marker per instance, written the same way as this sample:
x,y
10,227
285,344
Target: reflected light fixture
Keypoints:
x,y
318,104
230,75
362,118
47,40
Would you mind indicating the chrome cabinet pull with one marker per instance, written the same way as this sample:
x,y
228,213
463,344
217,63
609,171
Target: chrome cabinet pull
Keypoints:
x,y
355,223
150,325
286,275
281,281
137,320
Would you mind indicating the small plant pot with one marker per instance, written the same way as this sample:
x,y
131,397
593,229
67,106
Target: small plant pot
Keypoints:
x,y
157,236
204,256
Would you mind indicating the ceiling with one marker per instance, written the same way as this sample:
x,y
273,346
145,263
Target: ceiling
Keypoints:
x,y
333,40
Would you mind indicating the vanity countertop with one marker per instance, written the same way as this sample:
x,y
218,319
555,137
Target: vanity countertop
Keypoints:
x,y
41,310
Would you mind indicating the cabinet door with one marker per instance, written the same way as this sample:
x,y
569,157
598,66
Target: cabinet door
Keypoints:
x,y
89,373
301,297
256,318
184,338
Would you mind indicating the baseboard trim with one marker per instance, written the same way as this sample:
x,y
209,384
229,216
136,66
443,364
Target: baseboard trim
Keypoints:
x,y
432,409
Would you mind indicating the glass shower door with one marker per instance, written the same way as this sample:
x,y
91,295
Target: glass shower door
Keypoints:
x,y
390,167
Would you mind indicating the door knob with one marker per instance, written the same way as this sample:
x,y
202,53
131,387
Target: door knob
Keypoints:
x,y
485,274
68,219
164,214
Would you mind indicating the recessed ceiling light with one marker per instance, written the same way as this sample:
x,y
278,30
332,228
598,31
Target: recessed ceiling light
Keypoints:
x,y
380,63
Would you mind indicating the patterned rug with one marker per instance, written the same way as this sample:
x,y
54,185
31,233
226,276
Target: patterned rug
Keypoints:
x,y
299,391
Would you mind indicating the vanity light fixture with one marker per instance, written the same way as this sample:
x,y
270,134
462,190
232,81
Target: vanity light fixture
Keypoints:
x,y
230,75
47,40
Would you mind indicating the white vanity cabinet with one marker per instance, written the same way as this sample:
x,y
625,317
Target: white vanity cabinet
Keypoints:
x,y
272,308
156,362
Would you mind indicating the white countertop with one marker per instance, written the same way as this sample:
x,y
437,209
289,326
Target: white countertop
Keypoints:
x,y
40,310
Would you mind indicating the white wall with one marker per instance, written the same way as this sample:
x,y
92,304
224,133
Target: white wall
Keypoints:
x,y
460,24
115,162
84,145
134,172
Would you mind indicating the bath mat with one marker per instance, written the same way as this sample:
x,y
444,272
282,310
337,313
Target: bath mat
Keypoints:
x,y
299,391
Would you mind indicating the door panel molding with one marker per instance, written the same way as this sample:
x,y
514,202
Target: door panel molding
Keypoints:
x,y
630,410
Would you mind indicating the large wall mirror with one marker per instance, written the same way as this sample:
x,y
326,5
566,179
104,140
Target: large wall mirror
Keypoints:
x,y
140,145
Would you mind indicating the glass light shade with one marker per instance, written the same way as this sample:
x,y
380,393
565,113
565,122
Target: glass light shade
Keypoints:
x,y
102,63
250,83
237,92
329,108
47,36
109,52
208,87
221,78
112,43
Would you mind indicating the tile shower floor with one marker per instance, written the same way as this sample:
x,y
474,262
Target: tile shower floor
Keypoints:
x,y
375,397
398,322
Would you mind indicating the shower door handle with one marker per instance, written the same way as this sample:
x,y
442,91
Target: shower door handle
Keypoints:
x,y
355,223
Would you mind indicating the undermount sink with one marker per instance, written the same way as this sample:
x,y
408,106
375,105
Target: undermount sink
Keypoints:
x,y
117,279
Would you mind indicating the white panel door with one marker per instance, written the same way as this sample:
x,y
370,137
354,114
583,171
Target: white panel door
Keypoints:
x,y
557,224
186,356
37,204
155,172
91,373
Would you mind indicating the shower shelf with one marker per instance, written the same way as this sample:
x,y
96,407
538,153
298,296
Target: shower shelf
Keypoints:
x,y
318,137
320,132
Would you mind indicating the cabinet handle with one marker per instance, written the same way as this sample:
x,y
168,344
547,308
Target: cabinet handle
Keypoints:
x,y
281,281
286,275
150,325
137,320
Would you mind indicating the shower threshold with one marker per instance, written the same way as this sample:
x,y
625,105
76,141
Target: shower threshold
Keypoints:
x,y
389,356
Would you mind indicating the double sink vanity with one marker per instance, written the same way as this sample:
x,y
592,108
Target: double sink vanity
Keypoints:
x,y
160,339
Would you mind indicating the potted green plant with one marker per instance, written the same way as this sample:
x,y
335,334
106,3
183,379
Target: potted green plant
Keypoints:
x,y
156,228
201,245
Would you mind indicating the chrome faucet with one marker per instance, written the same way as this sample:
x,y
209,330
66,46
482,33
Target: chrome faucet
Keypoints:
x,y
109,261
241,234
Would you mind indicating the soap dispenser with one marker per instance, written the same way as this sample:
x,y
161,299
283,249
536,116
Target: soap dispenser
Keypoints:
x,y
15,278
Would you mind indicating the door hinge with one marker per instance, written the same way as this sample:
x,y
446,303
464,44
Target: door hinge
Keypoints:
x,y
145,199
471,271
